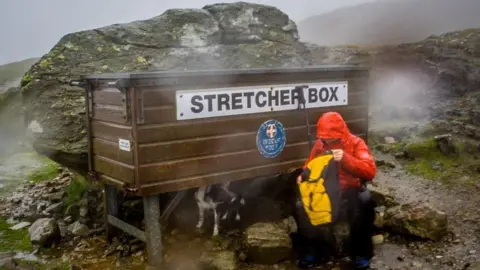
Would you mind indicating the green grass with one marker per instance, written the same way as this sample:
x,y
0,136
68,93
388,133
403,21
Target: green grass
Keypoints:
x,y
75,189
426,156
13,240
45,173
40,266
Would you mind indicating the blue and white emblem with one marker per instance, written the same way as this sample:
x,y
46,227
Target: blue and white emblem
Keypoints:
x,y
271,139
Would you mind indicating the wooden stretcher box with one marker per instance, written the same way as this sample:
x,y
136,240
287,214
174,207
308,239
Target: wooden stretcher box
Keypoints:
x,y
156,132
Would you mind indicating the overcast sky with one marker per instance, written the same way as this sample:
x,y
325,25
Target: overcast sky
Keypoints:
x,y
30,28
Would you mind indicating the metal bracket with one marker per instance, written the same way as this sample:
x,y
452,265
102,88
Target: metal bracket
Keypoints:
x,y
93,176
129,189
79,83
90,101
122,85
140,109
126,114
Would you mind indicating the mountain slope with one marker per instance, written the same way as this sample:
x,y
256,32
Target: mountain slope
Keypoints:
x,y
12,72
390,22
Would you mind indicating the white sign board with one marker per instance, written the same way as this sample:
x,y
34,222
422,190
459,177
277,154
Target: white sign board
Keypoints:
x,y
194,104
124,145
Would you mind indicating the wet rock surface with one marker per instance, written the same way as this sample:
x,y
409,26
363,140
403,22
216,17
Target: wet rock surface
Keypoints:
x,y
418,219
267,243
219,260
44,232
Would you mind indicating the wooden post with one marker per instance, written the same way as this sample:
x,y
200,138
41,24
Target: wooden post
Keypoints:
x,y
153,236
110,208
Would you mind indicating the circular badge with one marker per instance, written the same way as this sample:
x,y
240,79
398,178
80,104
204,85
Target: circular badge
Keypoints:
x,y
271,138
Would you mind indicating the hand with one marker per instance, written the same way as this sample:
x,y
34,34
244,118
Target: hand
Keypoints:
x,y
337,154
299,179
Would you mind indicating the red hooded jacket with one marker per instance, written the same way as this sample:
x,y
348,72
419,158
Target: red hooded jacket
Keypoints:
x,y
357,162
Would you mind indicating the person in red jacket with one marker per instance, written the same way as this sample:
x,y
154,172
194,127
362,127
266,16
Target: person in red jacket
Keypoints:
x,y
357,166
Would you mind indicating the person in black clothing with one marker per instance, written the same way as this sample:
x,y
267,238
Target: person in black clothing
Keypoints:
x,y
357,167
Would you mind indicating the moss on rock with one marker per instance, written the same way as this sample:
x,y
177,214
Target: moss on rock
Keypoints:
x,y
13,240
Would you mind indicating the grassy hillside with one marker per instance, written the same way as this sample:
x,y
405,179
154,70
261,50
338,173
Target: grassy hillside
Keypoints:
x,y
14,71
390,22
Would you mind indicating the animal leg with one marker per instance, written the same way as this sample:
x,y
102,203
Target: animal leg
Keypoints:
x,y
200,199
216,222
237,217
225,215
201,213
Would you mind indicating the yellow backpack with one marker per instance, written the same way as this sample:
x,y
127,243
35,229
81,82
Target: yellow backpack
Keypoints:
x,y
320,190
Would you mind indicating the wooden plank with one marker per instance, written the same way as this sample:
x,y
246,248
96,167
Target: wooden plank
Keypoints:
x,y
122,225
168,114
114,169
110,150
250,123
218,177
110,181
108,96
177,184
112,114
157,152
214,163
111,132
194,82
162,96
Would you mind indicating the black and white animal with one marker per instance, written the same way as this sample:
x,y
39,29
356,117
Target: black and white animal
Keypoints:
x,y
221,200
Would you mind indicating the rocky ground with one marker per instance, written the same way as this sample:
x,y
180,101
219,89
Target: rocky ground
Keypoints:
x,y
422,224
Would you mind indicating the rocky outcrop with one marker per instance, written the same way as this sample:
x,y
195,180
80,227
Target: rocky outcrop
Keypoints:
x,y
417,219
237,35
450,60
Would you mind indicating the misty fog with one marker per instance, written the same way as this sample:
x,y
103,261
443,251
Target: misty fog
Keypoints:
x,y
31,28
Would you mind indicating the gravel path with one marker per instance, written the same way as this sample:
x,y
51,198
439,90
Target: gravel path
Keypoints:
x,y
461,203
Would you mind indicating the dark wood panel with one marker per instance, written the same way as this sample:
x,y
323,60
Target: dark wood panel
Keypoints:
x,y
220,177
114,169
109,114
225,144
215,163
111,132
162,96
110,150
193,82
109,96
112,181
168,114
247,123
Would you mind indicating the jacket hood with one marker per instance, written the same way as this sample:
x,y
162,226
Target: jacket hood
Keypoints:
x,y
332,126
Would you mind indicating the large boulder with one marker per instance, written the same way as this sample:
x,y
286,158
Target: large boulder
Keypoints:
x,y
267,242
235,35
44,232
417,219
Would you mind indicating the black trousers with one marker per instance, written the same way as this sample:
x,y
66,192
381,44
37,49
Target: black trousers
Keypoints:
x,y
358,210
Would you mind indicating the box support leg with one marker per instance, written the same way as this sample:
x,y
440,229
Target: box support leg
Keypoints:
x,y
151,206
110,208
